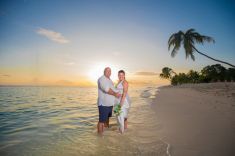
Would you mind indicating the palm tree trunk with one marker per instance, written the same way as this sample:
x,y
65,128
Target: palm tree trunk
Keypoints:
x,y
213,58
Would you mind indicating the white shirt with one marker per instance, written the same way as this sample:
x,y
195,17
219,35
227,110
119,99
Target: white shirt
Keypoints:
x,y
105,99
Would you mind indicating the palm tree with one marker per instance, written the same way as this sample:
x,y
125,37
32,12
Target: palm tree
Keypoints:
x,y
193,76
188,39
167,73
214,72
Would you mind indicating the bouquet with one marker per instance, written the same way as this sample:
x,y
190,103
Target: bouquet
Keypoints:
x,y
117,109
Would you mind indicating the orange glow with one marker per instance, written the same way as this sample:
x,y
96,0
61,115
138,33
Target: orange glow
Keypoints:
x,y
27,76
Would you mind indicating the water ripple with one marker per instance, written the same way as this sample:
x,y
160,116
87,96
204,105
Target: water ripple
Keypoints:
x,y
62,121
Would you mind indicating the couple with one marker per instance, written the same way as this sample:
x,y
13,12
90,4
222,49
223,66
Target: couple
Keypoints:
x,y
109,96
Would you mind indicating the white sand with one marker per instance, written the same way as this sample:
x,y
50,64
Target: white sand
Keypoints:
x,y
198,120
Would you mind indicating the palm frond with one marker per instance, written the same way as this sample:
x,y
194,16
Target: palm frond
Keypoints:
x,y
175,42
188,42
161,75
171,41
174,52
192,57
200,39
208,39
190,31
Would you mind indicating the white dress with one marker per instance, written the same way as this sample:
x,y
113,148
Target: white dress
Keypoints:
x,y
125,107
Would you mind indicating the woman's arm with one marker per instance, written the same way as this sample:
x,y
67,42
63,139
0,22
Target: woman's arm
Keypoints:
x,y
125,89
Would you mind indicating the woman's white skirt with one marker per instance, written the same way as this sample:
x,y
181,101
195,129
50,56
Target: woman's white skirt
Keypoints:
x,y
124,112
120,119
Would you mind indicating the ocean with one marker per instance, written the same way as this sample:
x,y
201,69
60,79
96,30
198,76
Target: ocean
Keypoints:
x,y
61,121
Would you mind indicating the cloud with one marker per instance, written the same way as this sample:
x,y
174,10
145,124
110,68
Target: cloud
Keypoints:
x,y
52,35
64,82
146,73
5,75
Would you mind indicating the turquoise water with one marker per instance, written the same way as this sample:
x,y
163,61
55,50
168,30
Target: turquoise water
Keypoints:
x,y
62,121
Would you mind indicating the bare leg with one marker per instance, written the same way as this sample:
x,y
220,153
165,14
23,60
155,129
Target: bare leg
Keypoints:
x,y
106,124
100,128
125,123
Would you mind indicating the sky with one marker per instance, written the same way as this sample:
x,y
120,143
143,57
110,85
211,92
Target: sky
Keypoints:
x,y
69,42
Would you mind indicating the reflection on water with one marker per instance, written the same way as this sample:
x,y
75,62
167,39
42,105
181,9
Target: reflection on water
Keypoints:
x,y
62,121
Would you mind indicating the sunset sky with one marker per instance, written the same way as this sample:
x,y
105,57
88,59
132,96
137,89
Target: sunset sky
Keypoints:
x,y
70,42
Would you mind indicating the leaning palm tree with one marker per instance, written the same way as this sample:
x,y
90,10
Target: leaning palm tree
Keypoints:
x,y
188,39
167,73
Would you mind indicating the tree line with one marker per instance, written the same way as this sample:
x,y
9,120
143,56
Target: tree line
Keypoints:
x,y
210,73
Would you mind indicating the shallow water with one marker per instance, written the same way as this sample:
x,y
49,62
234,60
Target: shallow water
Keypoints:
x,y
62,121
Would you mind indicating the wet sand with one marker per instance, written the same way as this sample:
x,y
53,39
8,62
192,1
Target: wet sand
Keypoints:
x,y
197,119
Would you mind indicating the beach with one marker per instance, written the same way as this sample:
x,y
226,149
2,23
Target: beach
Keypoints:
x,y
197,119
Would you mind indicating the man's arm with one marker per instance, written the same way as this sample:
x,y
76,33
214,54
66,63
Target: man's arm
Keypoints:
x,y
111,92
107,89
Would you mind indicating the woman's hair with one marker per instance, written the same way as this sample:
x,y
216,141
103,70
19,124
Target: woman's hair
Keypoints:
x,y
121,71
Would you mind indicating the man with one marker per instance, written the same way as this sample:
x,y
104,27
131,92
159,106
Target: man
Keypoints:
x,y
106,99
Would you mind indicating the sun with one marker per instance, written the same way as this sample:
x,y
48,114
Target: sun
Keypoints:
x,y
97,70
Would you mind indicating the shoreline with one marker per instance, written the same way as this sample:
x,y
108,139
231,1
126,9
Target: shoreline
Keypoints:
x,y
197,119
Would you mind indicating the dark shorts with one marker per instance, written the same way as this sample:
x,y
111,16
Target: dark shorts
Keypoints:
x,y
104,113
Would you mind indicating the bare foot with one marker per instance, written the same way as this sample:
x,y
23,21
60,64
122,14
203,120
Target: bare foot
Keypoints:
x,y
120,131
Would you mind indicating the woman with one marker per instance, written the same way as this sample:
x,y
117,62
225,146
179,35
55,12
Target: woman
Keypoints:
x,y
124,101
